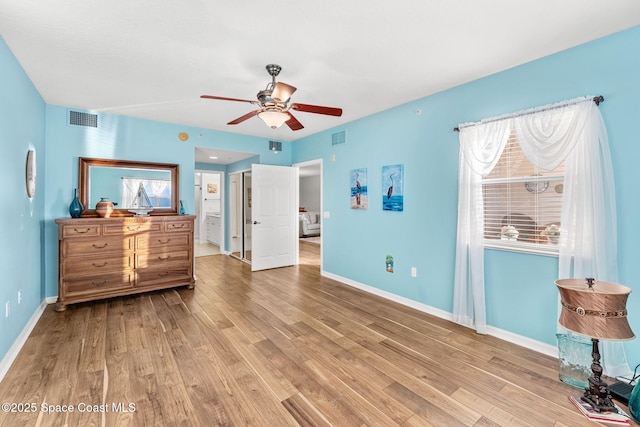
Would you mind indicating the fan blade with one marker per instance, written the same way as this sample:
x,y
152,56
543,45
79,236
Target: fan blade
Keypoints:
x,y
222,98
329,111
293,123
243,118
282,92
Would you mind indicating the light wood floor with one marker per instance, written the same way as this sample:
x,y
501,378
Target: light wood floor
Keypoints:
x,y
283,347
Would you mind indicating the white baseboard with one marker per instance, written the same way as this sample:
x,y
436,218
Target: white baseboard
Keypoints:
x,y
11,355
520,340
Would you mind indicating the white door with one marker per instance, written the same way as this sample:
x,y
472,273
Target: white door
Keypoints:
x,y
273,208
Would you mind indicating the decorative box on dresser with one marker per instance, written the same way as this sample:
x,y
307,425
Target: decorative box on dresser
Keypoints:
x,y
107,257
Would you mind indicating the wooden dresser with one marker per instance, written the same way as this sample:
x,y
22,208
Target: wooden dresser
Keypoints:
x,y
108,257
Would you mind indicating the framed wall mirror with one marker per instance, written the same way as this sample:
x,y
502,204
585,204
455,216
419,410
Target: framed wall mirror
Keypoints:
x,y
129,185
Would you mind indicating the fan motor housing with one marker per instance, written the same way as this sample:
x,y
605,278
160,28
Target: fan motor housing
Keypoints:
x,y
264,97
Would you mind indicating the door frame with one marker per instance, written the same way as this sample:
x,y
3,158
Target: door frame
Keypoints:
x,y
202,218
242,221
297,248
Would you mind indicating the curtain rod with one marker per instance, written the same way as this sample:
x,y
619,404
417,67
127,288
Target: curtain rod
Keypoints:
x,y
597,99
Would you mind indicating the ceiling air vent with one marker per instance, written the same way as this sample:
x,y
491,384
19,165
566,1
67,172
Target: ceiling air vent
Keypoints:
x,y
78,118
338,138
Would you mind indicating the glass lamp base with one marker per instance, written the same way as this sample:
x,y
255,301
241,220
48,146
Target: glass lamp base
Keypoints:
x,y
634,403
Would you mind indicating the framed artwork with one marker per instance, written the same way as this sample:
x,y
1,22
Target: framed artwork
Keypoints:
x,y
30,176
212,188
392,188
359,198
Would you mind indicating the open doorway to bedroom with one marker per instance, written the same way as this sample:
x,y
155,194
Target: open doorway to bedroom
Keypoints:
x,y
212,168
310,230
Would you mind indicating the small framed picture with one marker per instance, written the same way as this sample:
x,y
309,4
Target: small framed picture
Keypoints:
x,y
359,198
392,188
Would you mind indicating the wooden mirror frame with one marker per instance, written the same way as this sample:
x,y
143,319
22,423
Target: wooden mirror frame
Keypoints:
x,y
84,180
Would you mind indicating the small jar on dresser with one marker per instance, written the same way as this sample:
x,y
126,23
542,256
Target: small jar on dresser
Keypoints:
x,y
107,257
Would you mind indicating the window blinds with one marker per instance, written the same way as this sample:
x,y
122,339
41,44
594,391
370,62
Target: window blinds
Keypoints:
x,y
522,203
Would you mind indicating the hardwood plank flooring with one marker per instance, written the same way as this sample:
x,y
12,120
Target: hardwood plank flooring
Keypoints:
x,y
283,347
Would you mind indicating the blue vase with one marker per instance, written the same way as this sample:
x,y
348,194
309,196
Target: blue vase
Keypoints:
x,y
182,211
75,208
634,403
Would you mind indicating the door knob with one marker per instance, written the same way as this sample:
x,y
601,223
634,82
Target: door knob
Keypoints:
x,y
255,222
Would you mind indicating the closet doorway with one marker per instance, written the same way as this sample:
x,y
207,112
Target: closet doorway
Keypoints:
x,y
240,215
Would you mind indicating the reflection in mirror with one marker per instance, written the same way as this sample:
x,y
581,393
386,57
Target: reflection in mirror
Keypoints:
x,y
132,186
122,185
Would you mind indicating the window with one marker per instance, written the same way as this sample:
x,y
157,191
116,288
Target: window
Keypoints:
x,y
522,203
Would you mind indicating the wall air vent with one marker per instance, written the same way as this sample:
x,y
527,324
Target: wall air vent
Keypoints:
x,y
78,118
275,146
339,138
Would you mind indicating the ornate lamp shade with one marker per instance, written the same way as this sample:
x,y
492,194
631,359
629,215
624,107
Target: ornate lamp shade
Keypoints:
x,y
594,309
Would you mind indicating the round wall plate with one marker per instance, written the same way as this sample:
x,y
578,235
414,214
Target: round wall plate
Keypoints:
x,y
536,186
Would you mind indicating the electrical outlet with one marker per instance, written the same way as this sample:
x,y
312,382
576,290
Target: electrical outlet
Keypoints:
x,y
414,272
7,309
20,296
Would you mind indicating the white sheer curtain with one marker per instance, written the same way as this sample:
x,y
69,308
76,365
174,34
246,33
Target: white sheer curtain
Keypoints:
x,y
157,187
588,244
480,150
129,191
572,131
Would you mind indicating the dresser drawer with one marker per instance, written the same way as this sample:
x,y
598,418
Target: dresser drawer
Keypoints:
x,y
98,283
75,266
80,230
97,245
163,240
178,226
134,227
163,257
153,277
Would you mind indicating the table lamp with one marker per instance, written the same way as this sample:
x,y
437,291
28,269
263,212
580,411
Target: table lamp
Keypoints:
x,y
596,310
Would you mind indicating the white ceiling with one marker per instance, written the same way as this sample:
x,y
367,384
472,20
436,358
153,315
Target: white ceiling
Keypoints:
x,y
153,59
220,157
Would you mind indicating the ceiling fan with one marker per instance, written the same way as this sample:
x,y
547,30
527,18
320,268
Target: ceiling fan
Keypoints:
x,y
274,104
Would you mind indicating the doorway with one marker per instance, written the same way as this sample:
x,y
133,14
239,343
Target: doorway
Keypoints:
x,y
209,211
310,211
240,193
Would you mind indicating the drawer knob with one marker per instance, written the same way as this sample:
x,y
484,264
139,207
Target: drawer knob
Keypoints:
x,y
100,247
163,258
177,225
163,243
102,265
81,231
131,228
98,284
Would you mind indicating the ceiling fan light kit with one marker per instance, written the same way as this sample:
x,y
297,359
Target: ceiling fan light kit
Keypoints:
x,y
282,92
273,118
273,102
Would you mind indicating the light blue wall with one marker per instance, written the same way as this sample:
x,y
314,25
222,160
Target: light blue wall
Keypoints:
x,y
520,293
22,112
